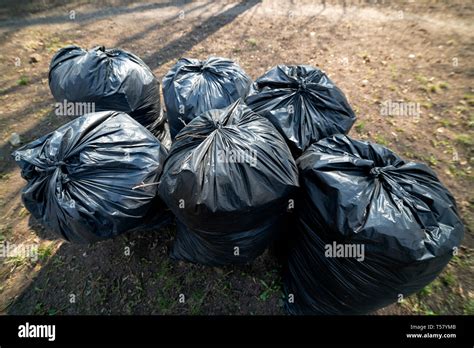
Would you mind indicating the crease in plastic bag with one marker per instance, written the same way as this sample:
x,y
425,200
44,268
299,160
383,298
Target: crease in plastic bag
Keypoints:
x,y
302,103
193,86
228,179
112,79
94,178
356,194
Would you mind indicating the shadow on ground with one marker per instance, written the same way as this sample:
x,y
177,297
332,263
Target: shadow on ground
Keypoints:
x,y
15,8
173,50
133,274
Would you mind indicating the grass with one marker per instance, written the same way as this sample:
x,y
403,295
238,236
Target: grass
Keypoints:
x,y
252,42
445,123
58,262
196,300
448,279
55,44
462,260
18,261
470,123
393,71
442,296
464,139
469,307
421,79
417,306
360,127
433,88
457,172
45,252
164,271
5,231
428,86
165,303
381,140
270,287
5,176
461,109
23,80
23,212
443,143
164,275
443,85
469,97
426,291
431,288
431,160
427,104
40,309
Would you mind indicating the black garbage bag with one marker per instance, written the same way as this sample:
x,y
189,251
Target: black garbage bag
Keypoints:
x,y
371,228
111,79
303,104
228,179
94,177
193,86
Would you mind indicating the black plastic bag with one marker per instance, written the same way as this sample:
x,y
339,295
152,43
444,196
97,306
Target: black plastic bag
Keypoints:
x,y
228,179
94,177
192,87
358,196
302,103
112,79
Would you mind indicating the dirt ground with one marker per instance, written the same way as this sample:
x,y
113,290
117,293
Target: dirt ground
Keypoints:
x,y
375,51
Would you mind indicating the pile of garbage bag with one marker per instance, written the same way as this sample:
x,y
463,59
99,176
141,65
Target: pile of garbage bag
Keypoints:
x,y
251,167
